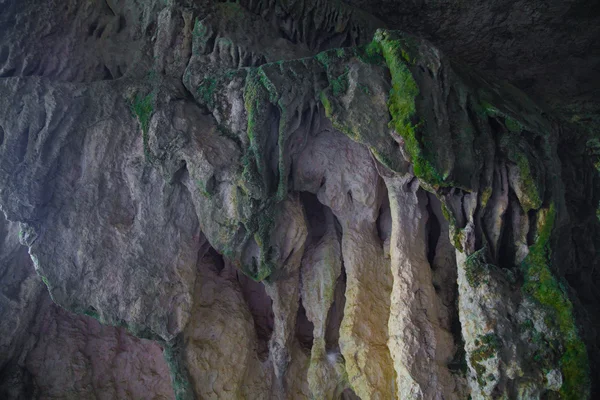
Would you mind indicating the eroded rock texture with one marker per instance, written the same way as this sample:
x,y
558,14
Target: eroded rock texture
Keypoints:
x,y
294,202
47,352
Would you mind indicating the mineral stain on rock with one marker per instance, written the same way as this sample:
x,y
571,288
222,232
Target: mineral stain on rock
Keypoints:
x,y
300,199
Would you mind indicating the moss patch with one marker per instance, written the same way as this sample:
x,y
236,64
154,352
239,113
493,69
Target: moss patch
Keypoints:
x,y
487,347
513,125
398,55
262,192
206,91
476,269
179,374
91,312
543,287
531,190
142,108
359,115
486,194
339,85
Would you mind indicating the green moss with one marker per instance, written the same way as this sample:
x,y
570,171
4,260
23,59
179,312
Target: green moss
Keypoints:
x,y
485,109
331,58
513,125
256,100
45,280
401,104
326,104
206,91
531,189
339,85
261,194
485,196
489,109
458,236
200,30
534,199
480,109
448,215
476,269
385,159
527,325
90,312
370,54
142,108
487,347
204,190
179,375
541,285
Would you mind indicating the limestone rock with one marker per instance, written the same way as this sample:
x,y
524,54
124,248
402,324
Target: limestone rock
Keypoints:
x,y
293,201
49,353
420,345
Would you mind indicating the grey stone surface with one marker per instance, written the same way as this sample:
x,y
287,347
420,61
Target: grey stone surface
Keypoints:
x,y
160,154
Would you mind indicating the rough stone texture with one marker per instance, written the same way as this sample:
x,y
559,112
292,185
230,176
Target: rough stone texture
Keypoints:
x,y
49,353
62,185
419,342
220,342
20,294
186,146
321,268
352,191
77,357
549,50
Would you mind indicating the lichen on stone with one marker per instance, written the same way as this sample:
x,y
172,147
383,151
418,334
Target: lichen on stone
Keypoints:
x,y
488,346
476,268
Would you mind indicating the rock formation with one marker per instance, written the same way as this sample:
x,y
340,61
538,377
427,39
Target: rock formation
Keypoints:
x,y
48,353
293,199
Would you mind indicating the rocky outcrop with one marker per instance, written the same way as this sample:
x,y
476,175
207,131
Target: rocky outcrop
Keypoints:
x,y
296,204
49,353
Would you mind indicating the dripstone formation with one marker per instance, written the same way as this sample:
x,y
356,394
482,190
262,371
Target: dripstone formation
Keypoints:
x,y
296,199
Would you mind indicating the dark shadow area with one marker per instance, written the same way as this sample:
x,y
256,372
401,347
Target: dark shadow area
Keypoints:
x,y
261,308
304,329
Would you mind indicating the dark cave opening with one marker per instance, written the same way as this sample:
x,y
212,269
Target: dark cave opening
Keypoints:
x,y
458,364
335,314
218,263
261,308
433,231
319,218
315,215
384,220
506,249
304,329
348,394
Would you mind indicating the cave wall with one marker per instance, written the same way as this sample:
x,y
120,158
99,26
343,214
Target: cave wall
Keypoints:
x,y
47,352
293,202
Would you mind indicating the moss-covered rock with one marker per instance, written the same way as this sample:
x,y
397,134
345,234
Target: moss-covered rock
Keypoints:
x,y
541,284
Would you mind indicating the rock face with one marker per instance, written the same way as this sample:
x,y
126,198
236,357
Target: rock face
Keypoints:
x,y
48,353
291,200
